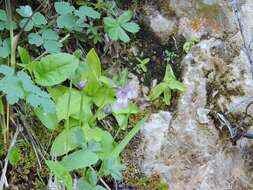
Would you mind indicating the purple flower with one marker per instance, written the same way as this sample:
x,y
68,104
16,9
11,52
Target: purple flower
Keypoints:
x,y
123,96
107,109
81,84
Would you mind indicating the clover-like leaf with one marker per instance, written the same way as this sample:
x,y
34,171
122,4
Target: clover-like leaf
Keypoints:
x,y
67,21
25,11
52,46
27,24
38,19
85,11
50,35
63,8
35,39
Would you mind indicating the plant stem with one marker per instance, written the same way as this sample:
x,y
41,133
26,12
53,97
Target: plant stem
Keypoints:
x,y
13,58
81,109
68,108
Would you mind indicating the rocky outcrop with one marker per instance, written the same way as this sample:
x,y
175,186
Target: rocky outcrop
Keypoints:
x,y
186,147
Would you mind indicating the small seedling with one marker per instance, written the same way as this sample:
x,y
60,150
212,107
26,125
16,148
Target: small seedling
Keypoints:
x,y
142,64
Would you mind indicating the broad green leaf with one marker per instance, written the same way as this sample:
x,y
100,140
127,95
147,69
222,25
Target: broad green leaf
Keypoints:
x,y
63,8
74,110
83,184
131,109
60,172
67,21
25,11
35,39
131,27
79,159
57,91
93,72
14,156
24,55
38,19
120,147
49,34
167,96
54,69
64,142
52,46
49,120
26,24
158,90
87,11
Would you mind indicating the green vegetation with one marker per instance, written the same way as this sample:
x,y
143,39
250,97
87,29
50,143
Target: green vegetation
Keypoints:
x,y
50,65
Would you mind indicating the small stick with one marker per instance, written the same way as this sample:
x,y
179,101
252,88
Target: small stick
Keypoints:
x,y
6,161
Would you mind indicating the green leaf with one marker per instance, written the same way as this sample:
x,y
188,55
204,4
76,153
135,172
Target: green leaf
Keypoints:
x,y
123,35
169,74
93,72
24,55
38,19
79,159
167,96
67,21
91,177
120,147
62,107
125,17
112,167
63,8
14,156
52,46
49,34
83,184
158,90
49,120
131,27
25,11
176,85
87,11
26,24
109,22
54,69
64,142
10,85
3,15
35,39
5,49
60,172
